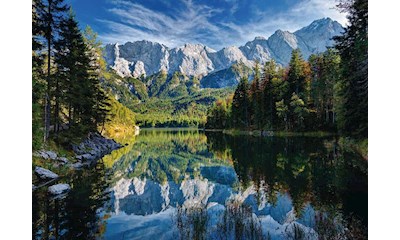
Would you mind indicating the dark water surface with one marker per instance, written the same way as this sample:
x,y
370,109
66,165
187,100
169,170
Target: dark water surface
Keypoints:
x,y
187,184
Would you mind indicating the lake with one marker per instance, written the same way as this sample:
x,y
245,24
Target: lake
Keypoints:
x,y
191,184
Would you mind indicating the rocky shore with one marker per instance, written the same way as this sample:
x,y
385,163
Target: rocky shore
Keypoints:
x,y
87,153
93,148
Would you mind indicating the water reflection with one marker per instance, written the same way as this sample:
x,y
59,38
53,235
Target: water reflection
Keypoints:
x,y
191,185
194,185
75,215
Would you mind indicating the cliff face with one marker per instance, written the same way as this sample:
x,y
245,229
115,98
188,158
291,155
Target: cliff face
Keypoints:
x,y
144,58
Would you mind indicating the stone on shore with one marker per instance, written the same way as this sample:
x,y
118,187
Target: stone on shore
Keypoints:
x,y
63,160
94,147
77,165
47,155
85,157
59,188
45,174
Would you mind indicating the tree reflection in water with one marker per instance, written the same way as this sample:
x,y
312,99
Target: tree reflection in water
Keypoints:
x,y
191,185
73,216
311,171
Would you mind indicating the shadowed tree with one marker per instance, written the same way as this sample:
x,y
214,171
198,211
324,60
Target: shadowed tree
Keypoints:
x,y
353,50
51,13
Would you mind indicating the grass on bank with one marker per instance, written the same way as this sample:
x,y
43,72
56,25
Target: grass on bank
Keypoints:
x,y
257,133
357,146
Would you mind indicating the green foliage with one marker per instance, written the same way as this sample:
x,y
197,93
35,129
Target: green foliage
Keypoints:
x,y
157,82
299,111
297,74
181,150
324,88
327,93
353,50
256,98
138,88
282,112
219,116
66,79
241,105
177,102
122,121
78,89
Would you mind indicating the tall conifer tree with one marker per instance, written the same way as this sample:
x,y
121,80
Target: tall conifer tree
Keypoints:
x,y
241,104
51,14
353,50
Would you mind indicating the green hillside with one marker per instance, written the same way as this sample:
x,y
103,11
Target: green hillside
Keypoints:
x,y
163,100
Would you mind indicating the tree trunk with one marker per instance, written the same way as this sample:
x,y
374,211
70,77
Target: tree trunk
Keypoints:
x,y
57,108
46,117
48,102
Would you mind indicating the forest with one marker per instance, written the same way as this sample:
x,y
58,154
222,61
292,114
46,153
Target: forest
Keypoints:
x,y
329,92
69,98
73,89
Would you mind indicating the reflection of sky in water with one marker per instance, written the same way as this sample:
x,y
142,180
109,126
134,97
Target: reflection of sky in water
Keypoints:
x,y
176,185
142,208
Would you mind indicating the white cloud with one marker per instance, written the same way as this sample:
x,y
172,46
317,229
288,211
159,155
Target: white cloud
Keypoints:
x,y
300,15
193,24
138,22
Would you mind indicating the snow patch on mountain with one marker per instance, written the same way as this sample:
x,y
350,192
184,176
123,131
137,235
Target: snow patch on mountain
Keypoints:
x,y
144,58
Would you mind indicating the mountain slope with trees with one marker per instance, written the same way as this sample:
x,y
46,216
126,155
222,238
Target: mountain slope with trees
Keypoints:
x,y
329,92
67,74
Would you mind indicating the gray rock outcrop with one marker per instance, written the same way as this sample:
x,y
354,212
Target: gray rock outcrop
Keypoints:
x,y
94,147
46,154
59,188
147,58
45,174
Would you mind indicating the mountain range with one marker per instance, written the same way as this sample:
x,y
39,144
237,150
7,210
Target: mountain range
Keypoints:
x,y
219,68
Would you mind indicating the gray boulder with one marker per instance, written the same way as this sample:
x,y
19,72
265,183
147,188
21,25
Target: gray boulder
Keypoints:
x,y
59,188
94,147
52,155
63,160
85,157
77,165
45,174
46,155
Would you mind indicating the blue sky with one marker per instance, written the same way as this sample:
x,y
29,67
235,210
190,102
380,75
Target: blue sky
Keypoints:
x,y
215,23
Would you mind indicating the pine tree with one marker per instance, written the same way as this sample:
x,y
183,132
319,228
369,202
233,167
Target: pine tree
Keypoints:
x,y
353,50
296,75
256,98
38,85
241,104
75,77
298,78
96,68
299,110
50,16
269,99
282,112
325,75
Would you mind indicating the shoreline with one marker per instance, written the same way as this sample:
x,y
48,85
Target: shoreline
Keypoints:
x,y
265,133
61,162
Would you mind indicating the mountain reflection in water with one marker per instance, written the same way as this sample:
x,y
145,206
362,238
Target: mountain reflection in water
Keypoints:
x,y
187,184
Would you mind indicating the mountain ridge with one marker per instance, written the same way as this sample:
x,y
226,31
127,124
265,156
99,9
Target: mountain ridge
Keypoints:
x,y
144,58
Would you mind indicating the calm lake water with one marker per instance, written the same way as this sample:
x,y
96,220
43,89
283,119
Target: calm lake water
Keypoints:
x,y
188,184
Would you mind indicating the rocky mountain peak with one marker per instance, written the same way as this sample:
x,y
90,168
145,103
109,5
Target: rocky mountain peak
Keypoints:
x,y
147,58
259,38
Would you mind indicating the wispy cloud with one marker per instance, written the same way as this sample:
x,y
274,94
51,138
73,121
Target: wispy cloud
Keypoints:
x,y
199,23
136,22
300,15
